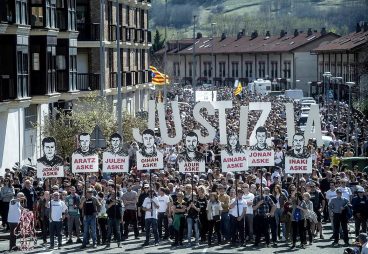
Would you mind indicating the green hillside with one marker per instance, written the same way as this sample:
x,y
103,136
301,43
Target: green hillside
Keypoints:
x,y
232,16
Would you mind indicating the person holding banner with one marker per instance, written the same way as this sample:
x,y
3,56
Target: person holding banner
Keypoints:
x,y
72,202
150,206
130,199
178,209
58,211
114,212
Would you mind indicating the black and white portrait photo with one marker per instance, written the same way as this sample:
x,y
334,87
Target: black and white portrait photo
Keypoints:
x,y
233,157
50,159
115,159
298,150
191,154
84,140
233,146
261,137
116,146
85,158
148,157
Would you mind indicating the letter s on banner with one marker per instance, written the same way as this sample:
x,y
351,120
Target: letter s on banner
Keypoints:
x,y
315,119
151,121
177,122
201,120
221,106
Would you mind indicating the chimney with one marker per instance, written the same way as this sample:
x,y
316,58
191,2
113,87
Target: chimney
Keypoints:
x,y
240,34
282,33
223,36
296,32
199,35
254,34
268,34
358,28
309,33
323,31
365,27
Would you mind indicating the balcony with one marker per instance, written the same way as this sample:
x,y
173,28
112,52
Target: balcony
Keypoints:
x,y
89,31
7,88
88,81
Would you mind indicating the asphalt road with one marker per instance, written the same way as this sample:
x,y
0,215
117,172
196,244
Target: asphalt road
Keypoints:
x,y
135,246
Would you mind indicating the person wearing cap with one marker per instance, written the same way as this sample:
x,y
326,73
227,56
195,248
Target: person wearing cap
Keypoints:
x,y
90,207
58,209
360,207
338,207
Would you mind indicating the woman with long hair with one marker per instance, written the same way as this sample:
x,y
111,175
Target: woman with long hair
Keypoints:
x,y
281,199
297,218
233,145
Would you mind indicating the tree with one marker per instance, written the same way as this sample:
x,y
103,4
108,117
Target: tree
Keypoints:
x,y
158,42
87,113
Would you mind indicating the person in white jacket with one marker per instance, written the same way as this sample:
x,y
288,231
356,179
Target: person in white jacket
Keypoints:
x,y
15,211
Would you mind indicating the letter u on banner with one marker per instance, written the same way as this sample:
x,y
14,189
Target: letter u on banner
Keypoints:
x,y
200,119
177,122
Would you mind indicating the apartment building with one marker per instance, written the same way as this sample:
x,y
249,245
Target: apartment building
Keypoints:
x,y
346,58
284,58
49,56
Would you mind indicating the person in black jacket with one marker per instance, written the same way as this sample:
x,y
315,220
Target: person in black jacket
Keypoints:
x,y
115,216
141,198
30,194
360,206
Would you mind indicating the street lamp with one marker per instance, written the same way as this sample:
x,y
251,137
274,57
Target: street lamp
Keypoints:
x,y
350,84
194,60
337,82
212,57
326,76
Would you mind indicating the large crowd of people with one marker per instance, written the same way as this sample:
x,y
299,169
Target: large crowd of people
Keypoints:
x,y
261,207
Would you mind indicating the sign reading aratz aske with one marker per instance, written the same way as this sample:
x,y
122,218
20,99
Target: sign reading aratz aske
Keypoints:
x,y
191,161
85,158
148,157
233,158
49,165
115,159
298,160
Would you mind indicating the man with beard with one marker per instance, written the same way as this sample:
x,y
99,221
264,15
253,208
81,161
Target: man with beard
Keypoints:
x,y
190,154
298,150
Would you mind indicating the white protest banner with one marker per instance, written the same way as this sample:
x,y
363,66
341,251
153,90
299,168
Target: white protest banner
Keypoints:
x,y
85,158
191,161
49,165
115,159
298,159
192,166
261,158
148,157
233,163
298,165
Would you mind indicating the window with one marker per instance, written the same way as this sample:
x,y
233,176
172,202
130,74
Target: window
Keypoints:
x,y
274,69
30,116
207,72
190,67
287,69
127,16
176,69
73,68
261,69
21,12
37,16
51,69
248,69
222,71
235,69
22,70
50,13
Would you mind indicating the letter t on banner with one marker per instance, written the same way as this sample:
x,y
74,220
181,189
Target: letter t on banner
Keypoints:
x,y
221,106
163,127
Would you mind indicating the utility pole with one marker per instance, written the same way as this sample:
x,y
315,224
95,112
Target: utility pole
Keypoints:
x,y
194,60
120,99
102,48
165,56
212,57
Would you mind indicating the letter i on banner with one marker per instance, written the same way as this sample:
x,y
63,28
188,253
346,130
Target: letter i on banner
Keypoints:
x,y
85,158
50,164
115,159
148,157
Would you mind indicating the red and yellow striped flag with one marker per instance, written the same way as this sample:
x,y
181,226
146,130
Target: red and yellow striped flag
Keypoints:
x,y
158,78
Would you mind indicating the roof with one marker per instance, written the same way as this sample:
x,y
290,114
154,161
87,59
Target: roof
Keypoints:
x,y
345,43
246,44
173,45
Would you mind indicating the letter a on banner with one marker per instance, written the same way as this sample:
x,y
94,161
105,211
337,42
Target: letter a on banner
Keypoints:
x,y
50,164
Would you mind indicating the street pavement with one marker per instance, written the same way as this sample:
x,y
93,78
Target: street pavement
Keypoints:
x,y
135,246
